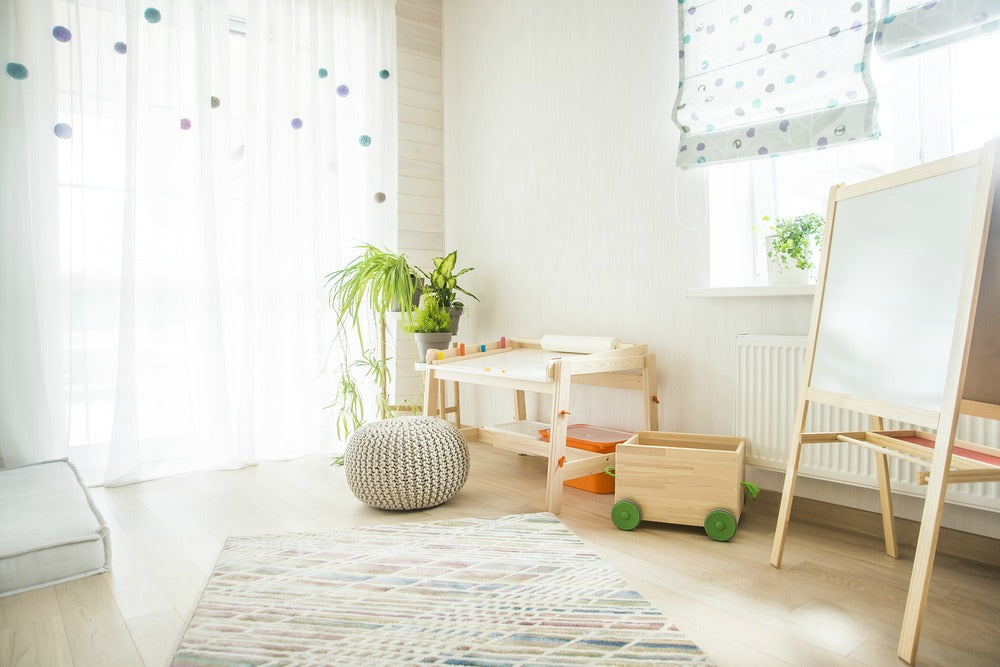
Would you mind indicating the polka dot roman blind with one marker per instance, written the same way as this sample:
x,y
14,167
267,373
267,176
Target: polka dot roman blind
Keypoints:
x,y
765,77
908,27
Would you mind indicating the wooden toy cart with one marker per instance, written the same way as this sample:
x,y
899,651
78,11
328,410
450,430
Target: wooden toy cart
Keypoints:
x,y
684,478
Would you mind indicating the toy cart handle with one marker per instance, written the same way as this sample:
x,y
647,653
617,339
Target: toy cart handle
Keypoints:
x,y
610,470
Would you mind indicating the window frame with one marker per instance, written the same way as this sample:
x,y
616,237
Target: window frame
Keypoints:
x,y
911,138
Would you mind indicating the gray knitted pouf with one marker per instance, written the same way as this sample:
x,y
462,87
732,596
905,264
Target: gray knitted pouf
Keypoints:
x,y
406,463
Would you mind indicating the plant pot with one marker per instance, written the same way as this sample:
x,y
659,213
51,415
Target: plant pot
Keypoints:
x,y
455,314
430,341
779,275
418,284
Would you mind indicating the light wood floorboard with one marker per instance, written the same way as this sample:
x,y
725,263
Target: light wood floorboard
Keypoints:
x,y
31,630
838,600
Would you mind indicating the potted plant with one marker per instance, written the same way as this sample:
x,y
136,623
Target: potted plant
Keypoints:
x,y
442,283
418,289
791,248
367,287
430,326
378,279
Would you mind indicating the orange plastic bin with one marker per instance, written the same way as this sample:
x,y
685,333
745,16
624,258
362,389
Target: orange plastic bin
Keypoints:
x,y
592,439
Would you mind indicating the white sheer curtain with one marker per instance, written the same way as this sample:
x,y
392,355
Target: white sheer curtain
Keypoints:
x,y
907,28
32,422
174,193
320,145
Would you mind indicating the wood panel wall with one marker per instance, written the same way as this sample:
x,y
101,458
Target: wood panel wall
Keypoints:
x,y
421,151
421,159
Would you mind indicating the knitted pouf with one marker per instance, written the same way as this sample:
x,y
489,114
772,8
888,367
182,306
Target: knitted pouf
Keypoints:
x,y
406,463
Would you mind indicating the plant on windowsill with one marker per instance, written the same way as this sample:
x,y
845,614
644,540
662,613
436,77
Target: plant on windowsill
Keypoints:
x,y
442,282
430,326
362,293
791,248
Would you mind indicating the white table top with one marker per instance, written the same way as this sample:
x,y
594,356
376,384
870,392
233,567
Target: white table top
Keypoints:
x,y
521,364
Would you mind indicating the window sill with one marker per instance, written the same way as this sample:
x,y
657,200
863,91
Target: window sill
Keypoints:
x,y
749,291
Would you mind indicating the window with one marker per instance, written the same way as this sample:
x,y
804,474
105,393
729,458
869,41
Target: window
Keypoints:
x,y
975,99
951,109
91,195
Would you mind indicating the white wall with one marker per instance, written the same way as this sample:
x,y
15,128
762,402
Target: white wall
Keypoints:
x,y
561,189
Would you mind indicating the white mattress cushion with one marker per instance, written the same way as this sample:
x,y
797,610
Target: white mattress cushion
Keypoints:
x,y
50,530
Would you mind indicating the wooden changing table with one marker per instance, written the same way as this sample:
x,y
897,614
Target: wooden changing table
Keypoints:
x,y
522,365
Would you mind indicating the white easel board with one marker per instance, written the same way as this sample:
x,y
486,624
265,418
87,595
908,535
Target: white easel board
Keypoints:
x,y
893,277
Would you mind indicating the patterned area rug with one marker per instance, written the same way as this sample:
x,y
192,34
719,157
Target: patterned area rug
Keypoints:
x,y
515,590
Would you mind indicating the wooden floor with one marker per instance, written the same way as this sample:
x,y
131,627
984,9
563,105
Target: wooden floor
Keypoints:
x,y
838,599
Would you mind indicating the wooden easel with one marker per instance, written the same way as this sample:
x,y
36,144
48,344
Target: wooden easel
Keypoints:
x,y
906,326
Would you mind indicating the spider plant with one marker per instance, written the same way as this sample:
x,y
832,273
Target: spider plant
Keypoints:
x,y
361,293
373,281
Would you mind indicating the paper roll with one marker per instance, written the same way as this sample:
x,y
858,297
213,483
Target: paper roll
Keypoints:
x,y
578,344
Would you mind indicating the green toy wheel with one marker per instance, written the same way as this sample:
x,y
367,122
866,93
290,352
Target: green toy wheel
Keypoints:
x,y
626,514
720,525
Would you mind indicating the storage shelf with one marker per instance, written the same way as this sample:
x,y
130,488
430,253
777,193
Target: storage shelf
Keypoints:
x,y
522,437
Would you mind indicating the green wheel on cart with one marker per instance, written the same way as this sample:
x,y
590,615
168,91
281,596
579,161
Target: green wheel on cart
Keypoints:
x,y
626,514
720,525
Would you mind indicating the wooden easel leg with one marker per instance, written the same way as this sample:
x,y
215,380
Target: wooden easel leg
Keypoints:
x,y
787,493
652,404
923,557
885,496
557,438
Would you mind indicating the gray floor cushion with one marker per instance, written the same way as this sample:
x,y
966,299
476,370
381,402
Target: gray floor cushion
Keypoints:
x,y
50,530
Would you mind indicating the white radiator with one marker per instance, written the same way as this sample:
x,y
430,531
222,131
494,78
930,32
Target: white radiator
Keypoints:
x,y
768,375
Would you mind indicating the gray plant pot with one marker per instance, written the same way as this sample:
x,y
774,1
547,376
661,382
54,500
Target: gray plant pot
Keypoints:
x,y
418,284
455,314
431,341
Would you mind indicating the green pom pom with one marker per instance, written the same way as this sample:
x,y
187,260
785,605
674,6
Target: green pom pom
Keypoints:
x,y
17,71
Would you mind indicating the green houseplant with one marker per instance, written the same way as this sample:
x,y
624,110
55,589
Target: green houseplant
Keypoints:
x,y
377,279
790,249
442,283
361,293
430,326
